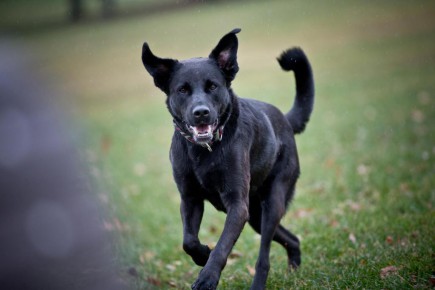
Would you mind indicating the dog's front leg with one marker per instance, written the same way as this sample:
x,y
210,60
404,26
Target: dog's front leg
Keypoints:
x,y
192,210
237,216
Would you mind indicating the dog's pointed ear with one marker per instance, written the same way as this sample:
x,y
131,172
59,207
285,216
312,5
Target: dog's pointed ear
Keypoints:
x,y
225,55
160,69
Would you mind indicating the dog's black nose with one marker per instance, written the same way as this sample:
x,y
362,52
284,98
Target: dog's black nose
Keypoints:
x,y
201,111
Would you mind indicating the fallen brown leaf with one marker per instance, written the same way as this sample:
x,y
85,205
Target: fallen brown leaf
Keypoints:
x,y
354,206
388,271
251,270
352,238
303,213
235,255
417,116
389,240
146,256
172,284
334,223
154,281
232,258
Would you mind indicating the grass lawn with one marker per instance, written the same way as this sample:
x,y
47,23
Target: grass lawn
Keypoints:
x,y
365,200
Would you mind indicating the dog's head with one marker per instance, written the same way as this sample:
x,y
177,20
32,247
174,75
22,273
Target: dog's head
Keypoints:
x,y
197,89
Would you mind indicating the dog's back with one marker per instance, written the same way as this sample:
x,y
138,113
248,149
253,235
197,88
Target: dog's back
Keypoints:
x,y
271,130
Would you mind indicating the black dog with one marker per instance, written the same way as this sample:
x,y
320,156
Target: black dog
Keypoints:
x,y
239,154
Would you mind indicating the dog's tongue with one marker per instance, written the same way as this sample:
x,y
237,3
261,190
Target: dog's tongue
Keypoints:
x,y
203,129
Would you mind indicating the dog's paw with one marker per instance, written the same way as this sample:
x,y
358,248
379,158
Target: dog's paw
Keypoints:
x,y
293,266
204,285
294,261
201,257
206,281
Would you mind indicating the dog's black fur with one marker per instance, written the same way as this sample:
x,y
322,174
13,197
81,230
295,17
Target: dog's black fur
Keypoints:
x,y
239,154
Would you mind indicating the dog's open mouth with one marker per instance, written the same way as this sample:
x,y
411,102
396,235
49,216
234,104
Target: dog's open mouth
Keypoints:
x,y
203,133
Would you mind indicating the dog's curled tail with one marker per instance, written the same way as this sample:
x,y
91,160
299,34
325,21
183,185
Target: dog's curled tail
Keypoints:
x,y
294,59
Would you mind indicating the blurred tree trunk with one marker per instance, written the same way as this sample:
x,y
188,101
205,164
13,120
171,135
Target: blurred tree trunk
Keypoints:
x,y
108,8
76,10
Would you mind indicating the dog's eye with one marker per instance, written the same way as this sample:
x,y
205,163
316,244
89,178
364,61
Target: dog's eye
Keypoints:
x,y
212,87
183,90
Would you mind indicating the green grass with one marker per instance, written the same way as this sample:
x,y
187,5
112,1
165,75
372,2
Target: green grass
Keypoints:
x,y
365,199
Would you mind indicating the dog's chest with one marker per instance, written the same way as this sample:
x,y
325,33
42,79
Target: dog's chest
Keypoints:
x,y
211,175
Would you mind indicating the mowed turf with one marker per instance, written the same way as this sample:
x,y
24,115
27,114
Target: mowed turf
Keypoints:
x,y
364,205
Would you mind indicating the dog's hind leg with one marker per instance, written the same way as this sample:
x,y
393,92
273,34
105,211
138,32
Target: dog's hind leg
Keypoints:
x,y
291,243
282,236
272,210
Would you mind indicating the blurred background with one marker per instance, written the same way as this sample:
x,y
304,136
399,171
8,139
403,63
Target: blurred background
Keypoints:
x,y
364,207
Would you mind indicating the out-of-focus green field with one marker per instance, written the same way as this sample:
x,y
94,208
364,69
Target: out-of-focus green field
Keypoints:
x,y
365,199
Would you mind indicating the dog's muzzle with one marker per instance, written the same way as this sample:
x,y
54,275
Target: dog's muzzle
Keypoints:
x,y
203,133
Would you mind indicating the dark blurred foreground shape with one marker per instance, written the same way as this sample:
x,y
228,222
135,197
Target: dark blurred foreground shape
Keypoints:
x,y
50,226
